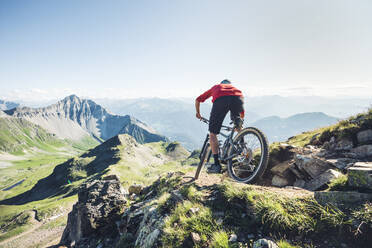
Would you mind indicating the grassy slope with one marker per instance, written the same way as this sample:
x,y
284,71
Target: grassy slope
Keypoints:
x,y
38,152
111,159
18,134
256,211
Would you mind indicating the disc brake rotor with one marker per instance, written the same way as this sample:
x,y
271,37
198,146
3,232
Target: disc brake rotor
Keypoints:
x,y
245,159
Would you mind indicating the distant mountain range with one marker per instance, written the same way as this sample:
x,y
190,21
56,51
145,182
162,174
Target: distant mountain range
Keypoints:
x,y
280,129
74,118
4,105
175,118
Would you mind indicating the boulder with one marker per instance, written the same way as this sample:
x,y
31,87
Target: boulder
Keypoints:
x,y
279,181
195,238
322,179
100,204
135,189
265,243
294,169
299,183
341,163
341,197
360,175
344,145
364,136
313,166
363,151
233,238
363,164
282,168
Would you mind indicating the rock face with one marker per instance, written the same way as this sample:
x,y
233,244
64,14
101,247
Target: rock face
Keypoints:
x,y
73,118
363,151
322,179
365,136
100,204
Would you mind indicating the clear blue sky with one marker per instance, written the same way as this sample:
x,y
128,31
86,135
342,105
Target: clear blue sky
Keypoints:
x,y
178,48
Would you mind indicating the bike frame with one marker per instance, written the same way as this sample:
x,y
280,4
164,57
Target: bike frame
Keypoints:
x,y
226,145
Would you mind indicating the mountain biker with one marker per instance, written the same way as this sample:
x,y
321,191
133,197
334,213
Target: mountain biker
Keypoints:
x,y
225,98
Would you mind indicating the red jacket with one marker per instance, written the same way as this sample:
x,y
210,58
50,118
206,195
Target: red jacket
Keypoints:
x,y
219,90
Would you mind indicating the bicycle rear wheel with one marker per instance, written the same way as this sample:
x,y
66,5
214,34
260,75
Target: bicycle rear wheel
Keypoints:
x,y
250,156
203,158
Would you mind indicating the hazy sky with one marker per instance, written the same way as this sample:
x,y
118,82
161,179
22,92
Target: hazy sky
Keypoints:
x,y
179,48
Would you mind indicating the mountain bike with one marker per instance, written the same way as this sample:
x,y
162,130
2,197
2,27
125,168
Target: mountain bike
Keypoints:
x,y
246,155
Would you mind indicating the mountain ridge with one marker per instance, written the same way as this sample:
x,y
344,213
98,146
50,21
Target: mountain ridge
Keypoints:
x,y
74,118
280,129
5,105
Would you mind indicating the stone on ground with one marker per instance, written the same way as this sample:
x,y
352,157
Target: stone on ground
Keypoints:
x,y
135,189
264,243
322,179
279,181
311,165
341,163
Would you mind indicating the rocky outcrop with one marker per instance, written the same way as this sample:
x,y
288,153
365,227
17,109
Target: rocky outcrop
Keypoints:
x,y
73,118
314,167
364,136
177,151
100,205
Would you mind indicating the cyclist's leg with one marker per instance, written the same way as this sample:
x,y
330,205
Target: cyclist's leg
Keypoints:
x,y
236,107
219,110
218,113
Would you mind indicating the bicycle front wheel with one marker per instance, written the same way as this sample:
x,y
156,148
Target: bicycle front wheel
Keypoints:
x,y
203,158
250,156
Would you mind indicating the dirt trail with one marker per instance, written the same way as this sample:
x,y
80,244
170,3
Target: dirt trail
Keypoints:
x,y
211,179
35,225
36,236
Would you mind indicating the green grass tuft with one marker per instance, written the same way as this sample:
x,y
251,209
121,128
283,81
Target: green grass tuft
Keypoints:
x,y
284,244
339,184
220,240
181,223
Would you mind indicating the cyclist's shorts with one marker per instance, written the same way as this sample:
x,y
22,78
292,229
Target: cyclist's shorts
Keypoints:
x,y
221,106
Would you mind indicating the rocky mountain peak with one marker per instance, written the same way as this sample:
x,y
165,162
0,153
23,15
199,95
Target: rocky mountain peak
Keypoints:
x,y
4,105
73,118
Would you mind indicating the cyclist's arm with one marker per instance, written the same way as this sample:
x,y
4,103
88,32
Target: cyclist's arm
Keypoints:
x,y
200,99
197,108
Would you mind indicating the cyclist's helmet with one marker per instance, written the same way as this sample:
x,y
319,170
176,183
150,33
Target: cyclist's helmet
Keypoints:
x,y
225,81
